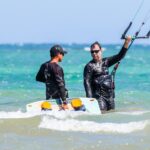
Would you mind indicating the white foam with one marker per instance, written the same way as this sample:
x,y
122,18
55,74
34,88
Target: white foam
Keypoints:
x,y
16,114
90,126
87,48
56,114
104,48
134,113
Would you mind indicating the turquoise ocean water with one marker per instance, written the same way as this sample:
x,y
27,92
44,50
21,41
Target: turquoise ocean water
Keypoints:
x,y
128,128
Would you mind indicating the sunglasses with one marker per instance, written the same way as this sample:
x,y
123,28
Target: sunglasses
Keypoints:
x,y
94,51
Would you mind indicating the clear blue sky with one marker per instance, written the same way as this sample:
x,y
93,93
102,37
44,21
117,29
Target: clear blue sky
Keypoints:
x,y
67,21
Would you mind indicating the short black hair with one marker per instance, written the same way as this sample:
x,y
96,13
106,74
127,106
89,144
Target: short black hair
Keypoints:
x,y
95,43
55,50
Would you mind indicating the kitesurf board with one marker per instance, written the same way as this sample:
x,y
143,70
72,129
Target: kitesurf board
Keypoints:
x,y
90,104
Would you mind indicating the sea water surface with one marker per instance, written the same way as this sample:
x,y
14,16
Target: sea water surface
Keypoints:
x,y
127,128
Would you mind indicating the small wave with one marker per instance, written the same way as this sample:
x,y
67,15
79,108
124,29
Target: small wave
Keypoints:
x,y
134,113
16,114
56,114
87,48
104,48
90,126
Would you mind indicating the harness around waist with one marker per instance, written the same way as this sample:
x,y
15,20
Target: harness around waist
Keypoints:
x,y
104,81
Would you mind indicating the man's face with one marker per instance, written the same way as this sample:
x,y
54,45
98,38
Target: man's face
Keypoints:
x,y
96,53
60,56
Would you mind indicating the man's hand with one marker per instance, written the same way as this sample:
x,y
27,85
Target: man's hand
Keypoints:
x,y
63,106
127,41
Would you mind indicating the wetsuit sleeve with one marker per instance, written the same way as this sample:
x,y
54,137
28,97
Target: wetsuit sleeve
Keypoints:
x,y
114,59
59,76
40,75
87,80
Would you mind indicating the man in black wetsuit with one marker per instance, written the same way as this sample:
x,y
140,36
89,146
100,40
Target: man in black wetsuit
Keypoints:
x,y
97,81
53,76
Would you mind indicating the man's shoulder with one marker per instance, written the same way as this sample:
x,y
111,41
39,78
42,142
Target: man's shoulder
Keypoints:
x,y
44,64
89,64
104,59
55,67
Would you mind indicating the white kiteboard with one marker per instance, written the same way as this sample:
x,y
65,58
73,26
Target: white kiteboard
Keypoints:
x,y
90,104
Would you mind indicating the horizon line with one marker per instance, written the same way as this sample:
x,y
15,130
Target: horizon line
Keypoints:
x,y
63,43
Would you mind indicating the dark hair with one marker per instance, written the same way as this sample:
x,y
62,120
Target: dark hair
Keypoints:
x,y
95,43
55,50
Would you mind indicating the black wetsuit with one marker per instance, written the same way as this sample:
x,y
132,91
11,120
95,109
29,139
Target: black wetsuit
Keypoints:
x,y
53,76
98,82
